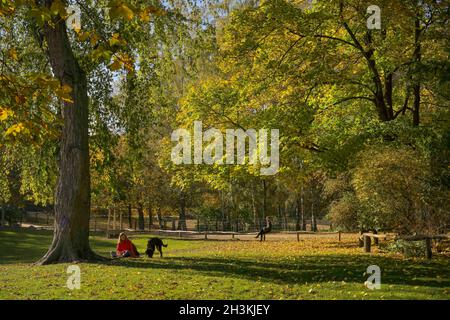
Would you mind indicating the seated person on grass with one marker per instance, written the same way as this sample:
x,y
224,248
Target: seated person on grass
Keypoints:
x,y
125,248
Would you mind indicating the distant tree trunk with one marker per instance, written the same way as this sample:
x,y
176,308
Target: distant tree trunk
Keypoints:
x,y
264,202
255,211
158,214
285,210
182,218
297,215
416,87
73,191
280,220
3,216
302,207
120,219
141,221
150,217
108,224
114,218
222,209
130,222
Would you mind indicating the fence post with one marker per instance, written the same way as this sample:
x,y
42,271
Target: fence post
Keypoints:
x,y
298,236
206,235
429,253
367,243
375,239
339,236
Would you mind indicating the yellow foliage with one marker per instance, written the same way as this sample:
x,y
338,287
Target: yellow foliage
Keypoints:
x,y
58,8
116,65
13,54
5,113
120,9
15,129
64,93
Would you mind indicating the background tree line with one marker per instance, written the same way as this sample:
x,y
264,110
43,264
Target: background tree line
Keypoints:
x,y
362,114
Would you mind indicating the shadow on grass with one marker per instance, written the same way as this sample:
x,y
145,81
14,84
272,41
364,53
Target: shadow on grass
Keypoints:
x,y
28,246
306,269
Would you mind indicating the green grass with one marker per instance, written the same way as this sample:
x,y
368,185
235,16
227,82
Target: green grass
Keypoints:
x,y
315,268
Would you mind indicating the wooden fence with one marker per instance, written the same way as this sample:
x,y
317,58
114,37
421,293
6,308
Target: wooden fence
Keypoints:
x,y
367,240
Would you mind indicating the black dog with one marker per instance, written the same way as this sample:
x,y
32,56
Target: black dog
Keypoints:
x,y
152,244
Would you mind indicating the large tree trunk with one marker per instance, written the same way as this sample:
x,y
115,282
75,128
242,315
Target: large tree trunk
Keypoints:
x,y
72,197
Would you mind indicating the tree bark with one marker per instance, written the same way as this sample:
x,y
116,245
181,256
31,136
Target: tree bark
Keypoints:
x,y
255,212
3,216
141,222
297,215
72,198
130,222
367,243
150,217
417,87
182,217
264,213
160,223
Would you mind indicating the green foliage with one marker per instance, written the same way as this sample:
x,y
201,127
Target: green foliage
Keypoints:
x,y
410,249
394,187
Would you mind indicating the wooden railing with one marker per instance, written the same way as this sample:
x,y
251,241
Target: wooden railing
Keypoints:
x,y
205,234
367,240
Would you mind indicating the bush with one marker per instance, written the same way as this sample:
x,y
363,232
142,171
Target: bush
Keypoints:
x,y
410,249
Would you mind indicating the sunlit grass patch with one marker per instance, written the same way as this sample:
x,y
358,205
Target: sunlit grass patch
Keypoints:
x,y
315,268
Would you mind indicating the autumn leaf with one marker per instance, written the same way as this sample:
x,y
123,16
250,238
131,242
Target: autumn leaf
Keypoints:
x,y
64,93
116,65
116,40
83,36
13,54
101,53
145,13
15,129
20,99
58,8
94,38
120,9
5,113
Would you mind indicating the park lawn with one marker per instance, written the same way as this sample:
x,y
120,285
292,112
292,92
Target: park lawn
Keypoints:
x,y
315,268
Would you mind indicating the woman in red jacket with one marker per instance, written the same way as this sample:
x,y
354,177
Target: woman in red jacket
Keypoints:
x,y
125,248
